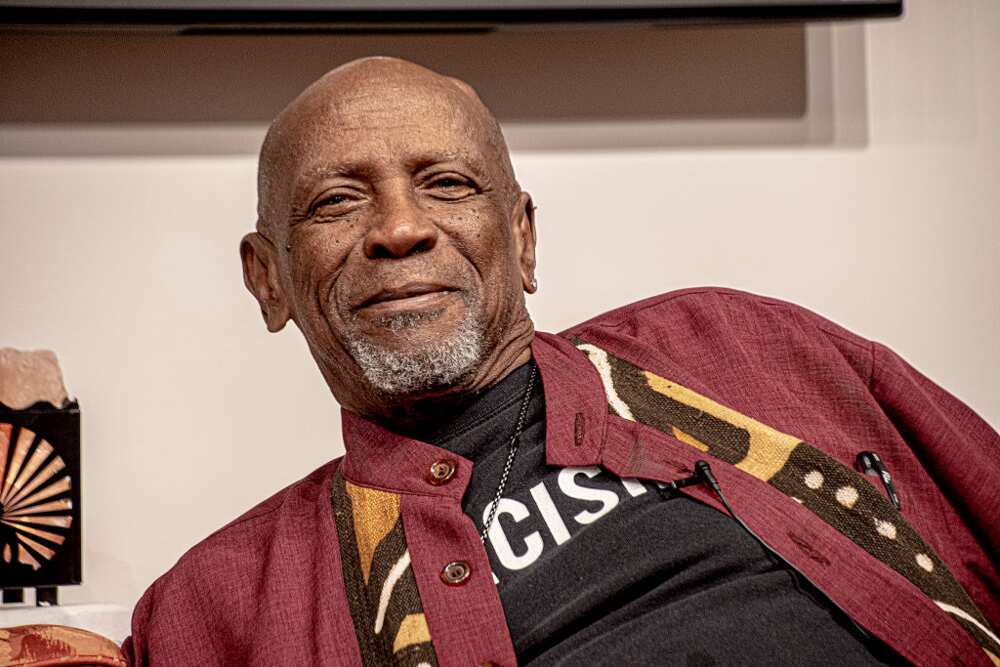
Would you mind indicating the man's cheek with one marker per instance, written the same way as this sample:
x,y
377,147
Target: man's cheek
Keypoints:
x,y
313,284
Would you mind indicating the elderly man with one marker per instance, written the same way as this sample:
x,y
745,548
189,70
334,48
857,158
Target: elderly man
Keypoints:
x,y
699,478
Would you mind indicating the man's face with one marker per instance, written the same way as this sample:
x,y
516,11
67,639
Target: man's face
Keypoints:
x,y
403,252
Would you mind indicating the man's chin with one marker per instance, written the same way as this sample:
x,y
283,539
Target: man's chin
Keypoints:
x,y
413,356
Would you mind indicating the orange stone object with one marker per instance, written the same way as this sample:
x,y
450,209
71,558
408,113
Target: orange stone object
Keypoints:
x,y
27,377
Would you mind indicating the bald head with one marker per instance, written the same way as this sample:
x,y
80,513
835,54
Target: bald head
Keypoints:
x,y
372,92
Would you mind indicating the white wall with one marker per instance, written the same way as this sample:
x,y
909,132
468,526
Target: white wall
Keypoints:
x,y
854,169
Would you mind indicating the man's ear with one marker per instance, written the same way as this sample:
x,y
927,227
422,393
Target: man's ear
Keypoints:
x,y
260,275
523,221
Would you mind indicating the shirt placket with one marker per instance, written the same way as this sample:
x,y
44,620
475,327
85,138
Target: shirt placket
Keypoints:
x,y
461,603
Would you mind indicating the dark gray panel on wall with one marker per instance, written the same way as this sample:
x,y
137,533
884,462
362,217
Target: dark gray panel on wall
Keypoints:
x,y
419,14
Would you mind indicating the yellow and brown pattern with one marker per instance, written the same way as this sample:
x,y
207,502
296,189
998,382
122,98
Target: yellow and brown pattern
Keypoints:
x,y
841,497
381,588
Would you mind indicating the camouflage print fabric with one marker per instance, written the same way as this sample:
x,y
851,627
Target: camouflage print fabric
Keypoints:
x,y
837,494
381,588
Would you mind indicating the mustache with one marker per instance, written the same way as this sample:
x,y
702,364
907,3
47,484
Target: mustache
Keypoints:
x,y
389,283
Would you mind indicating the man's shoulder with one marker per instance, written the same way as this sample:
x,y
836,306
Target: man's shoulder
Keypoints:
x,y
679,308
716,313
704,327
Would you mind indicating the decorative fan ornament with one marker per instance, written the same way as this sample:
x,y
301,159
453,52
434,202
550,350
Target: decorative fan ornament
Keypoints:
x,y
35,507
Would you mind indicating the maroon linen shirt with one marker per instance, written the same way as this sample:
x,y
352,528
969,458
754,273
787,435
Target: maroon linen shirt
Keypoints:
x,y
268,588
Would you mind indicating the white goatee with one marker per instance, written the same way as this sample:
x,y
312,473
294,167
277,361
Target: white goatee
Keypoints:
x,y
437,364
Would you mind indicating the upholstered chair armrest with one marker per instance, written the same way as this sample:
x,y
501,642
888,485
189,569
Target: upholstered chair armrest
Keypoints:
x,y
50,645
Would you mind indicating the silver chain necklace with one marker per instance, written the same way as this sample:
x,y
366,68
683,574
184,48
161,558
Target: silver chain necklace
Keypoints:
x,y
515,441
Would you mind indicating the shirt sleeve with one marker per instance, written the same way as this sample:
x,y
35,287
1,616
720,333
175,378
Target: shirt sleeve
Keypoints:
x,y
173,624
133,648
957,445
958,449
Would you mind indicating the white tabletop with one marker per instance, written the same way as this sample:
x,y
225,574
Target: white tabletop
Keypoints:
x,y
109,620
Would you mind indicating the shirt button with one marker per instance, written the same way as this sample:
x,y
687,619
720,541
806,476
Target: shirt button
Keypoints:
x,y
441,471
456,573
488,663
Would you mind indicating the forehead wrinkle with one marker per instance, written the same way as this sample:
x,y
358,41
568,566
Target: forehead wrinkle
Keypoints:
x,y
444,126
417,117
360,148
380,99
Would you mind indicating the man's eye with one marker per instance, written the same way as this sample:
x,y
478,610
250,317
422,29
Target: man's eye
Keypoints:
x,y
332,200
332,204
450,188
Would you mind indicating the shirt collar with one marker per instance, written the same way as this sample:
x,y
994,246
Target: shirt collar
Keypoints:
x,y
576,409
575,422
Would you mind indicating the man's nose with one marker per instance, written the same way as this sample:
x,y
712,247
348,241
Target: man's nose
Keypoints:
x,y
402,229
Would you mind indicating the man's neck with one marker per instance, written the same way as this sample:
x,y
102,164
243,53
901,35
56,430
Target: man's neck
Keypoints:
x,y
423,414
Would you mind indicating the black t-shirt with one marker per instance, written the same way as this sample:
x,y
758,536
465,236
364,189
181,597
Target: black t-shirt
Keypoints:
x,y
598,570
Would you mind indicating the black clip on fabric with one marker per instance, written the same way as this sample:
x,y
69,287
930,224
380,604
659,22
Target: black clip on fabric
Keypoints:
x,y
871,464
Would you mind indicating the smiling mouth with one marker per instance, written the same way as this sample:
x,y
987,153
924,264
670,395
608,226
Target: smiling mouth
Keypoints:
x,y
407,297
